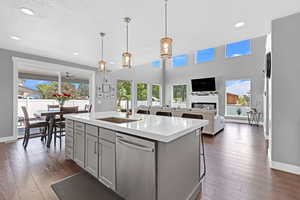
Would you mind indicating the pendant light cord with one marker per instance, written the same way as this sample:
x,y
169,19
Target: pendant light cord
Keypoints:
x,y
127,36
102,41
166,18
102,48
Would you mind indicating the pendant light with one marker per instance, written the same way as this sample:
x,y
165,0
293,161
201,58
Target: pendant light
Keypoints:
x,y
102,63
126,55
166,42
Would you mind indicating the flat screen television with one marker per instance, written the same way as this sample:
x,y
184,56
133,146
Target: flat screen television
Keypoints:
x,y
204,85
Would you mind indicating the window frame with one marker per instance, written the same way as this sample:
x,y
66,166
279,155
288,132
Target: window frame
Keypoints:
x,y
251,96
160,93
136,90
196,56
159,61
172,93
250,53
187,60
131,104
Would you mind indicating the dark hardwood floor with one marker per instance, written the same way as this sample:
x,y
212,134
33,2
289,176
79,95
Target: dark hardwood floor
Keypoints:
x,y
237,168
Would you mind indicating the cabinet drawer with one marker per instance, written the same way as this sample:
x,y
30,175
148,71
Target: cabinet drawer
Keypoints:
x,y
79,126
91,130
69,123
69,132
69,142
107,135
69,152
80,133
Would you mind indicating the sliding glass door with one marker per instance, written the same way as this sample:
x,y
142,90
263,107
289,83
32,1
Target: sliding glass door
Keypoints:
x,y
238,97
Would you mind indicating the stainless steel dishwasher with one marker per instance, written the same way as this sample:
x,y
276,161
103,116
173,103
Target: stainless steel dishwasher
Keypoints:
x,y
136,168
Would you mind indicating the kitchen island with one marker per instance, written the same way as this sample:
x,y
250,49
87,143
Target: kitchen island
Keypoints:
x,y
145,157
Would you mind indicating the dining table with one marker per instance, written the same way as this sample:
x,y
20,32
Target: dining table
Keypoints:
x,y
50,116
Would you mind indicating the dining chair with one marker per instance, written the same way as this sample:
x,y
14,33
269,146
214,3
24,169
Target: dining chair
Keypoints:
x,y
88,108
161,113
198,116
33,124
60,125
53,107
146,112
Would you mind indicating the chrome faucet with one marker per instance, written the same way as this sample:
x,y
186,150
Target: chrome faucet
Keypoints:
x,y
127,105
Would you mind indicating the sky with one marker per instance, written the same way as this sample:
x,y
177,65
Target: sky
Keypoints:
x,y
238,87
32,83
29,83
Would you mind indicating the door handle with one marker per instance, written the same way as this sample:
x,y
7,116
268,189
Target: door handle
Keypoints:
x,y
134,145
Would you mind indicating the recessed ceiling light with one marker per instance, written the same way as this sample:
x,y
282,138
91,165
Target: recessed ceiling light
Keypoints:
x,y
239,24
15,38
75,53
27,11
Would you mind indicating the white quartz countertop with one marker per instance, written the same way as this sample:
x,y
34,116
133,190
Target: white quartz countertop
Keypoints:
x,y
159,128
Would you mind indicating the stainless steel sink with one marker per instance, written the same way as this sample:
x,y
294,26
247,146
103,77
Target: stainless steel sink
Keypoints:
x,y
117,120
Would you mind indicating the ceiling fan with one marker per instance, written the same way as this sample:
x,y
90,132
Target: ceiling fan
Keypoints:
x,y
68,76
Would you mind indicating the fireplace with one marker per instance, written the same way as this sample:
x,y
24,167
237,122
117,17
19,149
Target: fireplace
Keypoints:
x,y
208,102
205,105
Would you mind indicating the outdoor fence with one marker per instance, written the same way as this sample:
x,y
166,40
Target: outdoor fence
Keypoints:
x,y
34,105
233,110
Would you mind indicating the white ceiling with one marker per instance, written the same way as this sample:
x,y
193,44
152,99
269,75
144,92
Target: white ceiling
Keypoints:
x,y
62,27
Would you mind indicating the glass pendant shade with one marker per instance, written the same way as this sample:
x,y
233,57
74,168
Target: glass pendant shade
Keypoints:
x,y
102,63
126,60
166,48
102,66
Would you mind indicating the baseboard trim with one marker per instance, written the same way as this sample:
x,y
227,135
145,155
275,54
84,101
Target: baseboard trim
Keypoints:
x,y
196,191
285,167
8,139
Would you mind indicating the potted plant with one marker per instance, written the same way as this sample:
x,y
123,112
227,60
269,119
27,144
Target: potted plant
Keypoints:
x,y
62,98
239,111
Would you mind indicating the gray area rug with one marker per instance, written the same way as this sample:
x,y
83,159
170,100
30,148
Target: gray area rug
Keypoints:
x,y
83,186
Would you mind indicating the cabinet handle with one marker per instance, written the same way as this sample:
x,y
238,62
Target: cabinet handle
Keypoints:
x,y
198,133
95,147
135,146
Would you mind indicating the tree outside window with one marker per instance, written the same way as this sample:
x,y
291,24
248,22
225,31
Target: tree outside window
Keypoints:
x,y
123,90
142,96
156,95
179,96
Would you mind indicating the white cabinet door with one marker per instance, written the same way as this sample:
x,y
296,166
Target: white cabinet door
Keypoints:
x,y
79,148
91,154
107,157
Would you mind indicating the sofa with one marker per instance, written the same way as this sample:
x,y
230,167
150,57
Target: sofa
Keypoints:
x,y
216,123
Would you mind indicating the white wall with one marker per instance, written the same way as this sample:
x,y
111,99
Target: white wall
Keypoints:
x,y
243,67
285,90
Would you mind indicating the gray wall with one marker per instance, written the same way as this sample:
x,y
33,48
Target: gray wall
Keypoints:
x,y
285,90
243,67
6,85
